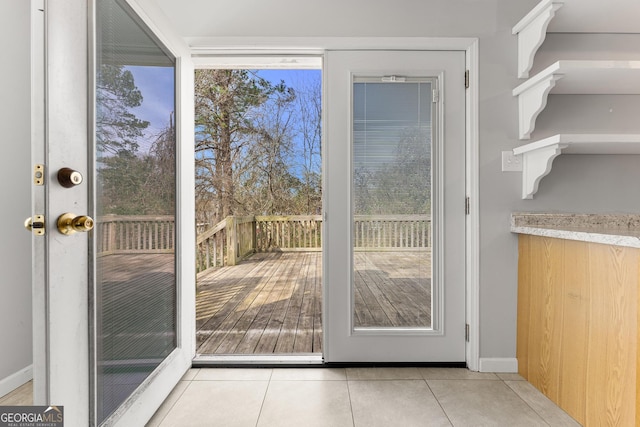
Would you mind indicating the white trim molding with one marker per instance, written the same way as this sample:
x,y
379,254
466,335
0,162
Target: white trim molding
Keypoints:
x,y
499,364
201,47
473,219
15,380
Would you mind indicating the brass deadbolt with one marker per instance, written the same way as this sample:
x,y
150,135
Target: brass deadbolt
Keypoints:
x,y
35,224
69,223
69,178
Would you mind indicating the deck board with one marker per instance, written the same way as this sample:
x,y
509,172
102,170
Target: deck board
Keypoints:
x,y
135,305
271,303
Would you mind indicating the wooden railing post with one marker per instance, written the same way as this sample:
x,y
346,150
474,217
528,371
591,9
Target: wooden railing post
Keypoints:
x,y
254,238
232,241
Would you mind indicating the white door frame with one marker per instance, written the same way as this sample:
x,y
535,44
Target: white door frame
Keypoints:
x,y
201,49
146,400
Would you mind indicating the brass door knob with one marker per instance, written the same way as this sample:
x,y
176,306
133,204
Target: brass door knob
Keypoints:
x,y
69,223
68,178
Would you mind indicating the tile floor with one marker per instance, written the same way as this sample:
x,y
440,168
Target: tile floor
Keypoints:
x,y
367,397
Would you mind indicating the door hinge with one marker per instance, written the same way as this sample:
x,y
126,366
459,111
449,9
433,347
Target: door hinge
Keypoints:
x,y
467,206
436,95
466,79
466,332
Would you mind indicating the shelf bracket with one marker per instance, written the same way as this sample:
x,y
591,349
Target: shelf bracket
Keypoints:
x,y
532,101
536,165
531,32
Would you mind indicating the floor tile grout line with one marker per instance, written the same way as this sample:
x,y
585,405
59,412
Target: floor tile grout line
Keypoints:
x,y
438,401
353,416
521,397
168,411
526,403
264,398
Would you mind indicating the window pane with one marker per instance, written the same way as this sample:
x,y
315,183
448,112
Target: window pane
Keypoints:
x,y
135,289
391,196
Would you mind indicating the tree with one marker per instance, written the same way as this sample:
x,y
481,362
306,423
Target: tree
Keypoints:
x,y
131,182
226,105
161,183
140,184
400,186
117,127
271,157
309,107
122,180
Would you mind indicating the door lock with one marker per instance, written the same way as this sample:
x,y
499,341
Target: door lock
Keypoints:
x,y
38,174
69,223
35,224
69,178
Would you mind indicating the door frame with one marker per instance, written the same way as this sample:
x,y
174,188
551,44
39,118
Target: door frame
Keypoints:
x,y
265,61
202,48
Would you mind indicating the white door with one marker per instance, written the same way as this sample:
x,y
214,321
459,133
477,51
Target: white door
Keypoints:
x,y
114,271
395,206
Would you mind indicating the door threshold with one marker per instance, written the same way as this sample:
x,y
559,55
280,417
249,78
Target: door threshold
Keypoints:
x,y
257,360
303,361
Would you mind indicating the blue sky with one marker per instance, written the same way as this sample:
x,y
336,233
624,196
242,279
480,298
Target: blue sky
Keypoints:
x,y
157,87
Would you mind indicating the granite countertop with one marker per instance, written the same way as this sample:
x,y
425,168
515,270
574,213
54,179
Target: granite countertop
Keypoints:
x,y
610,229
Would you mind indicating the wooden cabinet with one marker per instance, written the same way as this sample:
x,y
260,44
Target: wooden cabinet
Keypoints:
x,y
578,327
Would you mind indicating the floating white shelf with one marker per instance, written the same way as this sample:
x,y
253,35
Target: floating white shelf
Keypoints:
x,y
576,16
573,77
537,157
531,32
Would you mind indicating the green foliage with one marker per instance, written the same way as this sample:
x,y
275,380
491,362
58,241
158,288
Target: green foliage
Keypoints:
x,y
117,127
401,186
132,184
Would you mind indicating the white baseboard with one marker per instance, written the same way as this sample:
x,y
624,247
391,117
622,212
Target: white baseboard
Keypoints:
x,y
13,381
498,364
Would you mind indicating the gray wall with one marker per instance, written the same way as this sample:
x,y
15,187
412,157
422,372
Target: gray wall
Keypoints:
x,y
15,188
576,183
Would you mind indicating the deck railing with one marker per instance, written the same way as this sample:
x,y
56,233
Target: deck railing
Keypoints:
x,y
392,232
236,237
211,247
125,234
288,233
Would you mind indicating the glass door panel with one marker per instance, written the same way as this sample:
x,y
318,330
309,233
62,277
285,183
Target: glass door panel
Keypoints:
x,y
391,225
135,205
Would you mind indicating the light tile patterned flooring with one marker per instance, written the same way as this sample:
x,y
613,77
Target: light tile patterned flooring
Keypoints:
x,y
366,397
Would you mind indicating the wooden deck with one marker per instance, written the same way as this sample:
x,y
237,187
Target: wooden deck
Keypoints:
x,y
136,310
271,303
